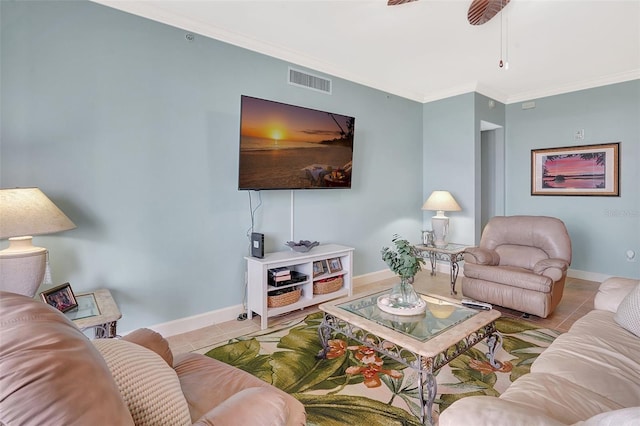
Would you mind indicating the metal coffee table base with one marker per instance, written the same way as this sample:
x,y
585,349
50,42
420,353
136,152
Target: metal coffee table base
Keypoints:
x,y
426,367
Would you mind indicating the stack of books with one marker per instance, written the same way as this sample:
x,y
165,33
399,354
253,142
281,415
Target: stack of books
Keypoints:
x,y
277,275
284,276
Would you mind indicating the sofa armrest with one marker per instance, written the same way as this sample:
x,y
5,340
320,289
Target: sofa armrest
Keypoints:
x,y
481,256
152,341
622,417
612,291
249,407
491,411
552,268
208,384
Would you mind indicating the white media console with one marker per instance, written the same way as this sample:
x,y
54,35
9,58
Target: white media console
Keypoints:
x,y
258,278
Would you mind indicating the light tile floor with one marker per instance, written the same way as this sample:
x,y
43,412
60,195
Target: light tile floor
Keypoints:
x,y
577,300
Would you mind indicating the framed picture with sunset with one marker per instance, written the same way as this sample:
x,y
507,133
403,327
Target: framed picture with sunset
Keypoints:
x,y
576,170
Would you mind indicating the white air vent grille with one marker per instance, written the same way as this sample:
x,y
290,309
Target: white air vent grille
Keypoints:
x,y
310,81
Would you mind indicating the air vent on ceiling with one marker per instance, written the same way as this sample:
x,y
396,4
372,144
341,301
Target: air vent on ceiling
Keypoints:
x,y
310,81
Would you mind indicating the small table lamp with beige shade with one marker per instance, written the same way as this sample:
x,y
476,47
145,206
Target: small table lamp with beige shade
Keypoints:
x,y
441,201
25,212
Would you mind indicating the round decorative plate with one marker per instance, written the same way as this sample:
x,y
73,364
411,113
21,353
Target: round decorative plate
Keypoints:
x,y
385,305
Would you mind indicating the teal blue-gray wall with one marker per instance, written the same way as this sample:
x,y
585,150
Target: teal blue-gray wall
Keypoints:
x,y
602,229
133,131
449,160
452,158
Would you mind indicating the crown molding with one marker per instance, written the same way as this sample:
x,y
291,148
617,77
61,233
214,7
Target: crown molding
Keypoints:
x,y
150,10
576,86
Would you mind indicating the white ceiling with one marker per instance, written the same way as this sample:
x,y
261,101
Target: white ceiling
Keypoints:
x,y
426,50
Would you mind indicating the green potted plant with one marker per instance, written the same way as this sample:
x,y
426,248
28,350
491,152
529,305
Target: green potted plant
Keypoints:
x,y
404,262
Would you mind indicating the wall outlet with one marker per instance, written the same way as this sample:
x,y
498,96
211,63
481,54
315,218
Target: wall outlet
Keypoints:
x,y
579,135
631,256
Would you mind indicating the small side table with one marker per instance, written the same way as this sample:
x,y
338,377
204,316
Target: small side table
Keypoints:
x,y
453,253
96,310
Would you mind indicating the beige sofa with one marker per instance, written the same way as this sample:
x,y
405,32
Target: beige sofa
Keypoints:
x,y
51,374
588,376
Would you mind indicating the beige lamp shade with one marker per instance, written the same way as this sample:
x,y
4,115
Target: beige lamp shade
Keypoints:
x,y
25,212
441,201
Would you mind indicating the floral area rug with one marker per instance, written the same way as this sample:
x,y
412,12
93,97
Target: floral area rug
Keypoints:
x,y
354,385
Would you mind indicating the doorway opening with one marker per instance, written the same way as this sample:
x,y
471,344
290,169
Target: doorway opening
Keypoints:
x,y
492,169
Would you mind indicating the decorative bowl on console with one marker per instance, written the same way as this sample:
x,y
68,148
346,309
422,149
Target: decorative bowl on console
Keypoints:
x,y
302,246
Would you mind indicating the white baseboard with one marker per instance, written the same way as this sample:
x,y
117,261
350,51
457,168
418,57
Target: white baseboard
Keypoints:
x,y
372,277
588,276
185,325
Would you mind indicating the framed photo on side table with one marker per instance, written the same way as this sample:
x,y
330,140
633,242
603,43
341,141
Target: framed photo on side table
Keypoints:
x,y
334,265
60,297
576,170
319,268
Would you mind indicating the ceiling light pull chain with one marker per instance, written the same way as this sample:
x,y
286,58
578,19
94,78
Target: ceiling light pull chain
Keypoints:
x,y
504,39
501,64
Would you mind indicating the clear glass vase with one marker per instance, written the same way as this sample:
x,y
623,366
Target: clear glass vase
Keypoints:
x,y
403,295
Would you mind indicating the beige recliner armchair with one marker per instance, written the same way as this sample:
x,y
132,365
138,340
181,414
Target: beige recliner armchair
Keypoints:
x,y
521,264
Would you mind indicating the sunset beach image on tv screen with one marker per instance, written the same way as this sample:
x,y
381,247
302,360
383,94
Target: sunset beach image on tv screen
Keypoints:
x,y
291,147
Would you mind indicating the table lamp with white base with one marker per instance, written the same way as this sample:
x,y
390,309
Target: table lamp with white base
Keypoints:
x,y
25,212
441,201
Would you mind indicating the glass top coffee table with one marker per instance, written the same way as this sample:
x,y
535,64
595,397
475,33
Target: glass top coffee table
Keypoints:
x,y
425,342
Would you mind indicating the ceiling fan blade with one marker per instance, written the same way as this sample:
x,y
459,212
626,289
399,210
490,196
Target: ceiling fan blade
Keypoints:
x,y
396,2
481,11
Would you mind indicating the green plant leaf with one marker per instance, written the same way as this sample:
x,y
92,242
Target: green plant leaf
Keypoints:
x,y
512,326
297,368
446,400
245,356
339,410
298,372
404,261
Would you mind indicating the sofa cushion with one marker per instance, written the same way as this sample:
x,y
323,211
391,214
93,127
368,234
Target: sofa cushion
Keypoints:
x,y
250,407
622,417
596,354
492,411
197,375
148,385
50,374
509,275
527,231
557,397
628,313
152,341
612,291
520,256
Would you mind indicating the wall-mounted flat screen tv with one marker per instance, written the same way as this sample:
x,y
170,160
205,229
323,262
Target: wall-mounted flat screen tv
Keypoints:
x,y
291,147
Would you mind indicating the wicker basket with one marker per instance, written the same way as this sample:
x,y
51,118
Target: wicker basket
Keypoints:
x,y
284,299
328,285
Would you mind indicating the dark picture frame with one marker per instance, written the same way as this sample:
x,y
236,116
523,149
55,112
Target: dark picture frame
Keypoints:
x,y
591,170
319,268
335,265
60,297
